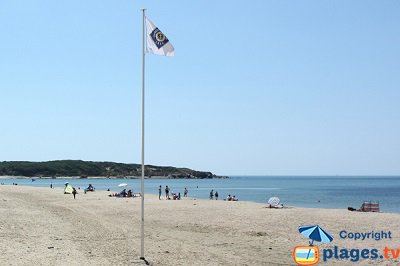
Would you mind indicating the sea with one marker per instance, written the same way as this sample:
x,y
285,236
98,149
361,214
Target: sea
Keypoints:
x,y
338,192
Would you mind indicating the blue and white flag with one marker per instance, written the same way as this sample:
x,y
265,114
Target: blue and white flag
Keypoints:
x,y
157,42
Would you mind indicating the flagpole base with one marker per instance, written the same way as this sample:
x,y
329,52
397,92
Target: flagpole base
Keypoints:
x,y
141,261
145,261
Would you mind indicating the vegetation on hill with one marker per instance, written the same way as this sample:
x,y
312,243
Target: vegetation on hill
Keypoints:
x,y
90,169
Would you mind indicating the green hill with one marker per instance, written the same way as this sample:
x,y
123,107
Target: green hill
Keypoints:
x,y
89,169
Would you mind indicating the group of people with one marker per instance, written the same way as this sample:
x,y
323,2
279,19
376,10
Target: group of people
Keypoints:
x,y
175,196
231,198
215,195
168,195
122,194
212,194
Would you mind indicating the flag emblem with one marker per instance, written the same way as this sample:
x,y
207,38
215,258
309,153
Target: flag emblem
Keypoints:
x,y
158,38
156,41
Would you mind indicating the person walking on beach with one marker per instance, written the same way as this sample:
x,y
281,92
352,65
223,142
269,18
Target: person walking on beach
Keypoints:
x,y
74,192
216,195
185,192
211,194
166,192
159,192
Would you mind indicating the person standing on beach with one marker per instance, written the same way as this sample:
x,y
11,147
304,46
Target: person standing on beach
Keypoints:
x,y
216,195
185,192
166,192
212,194
159,192
74,192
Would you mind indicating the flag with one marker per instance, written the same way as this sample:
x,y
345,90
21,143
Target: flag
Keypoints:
x,y
156,42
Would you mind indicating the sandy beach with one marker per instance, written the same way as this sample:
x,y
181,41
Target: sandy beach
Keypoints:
x,y
43,226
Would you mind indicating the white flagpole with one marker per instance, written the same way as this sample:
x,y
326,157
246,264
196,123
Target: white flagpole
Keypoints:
x,y
142,210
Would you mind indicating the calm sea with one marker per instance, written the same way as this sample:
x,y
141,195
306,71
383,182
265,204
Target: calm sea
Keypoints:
x,y
301,191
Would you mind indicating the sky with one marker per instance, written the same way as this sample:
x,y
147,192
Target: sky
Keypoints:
x,y
255,87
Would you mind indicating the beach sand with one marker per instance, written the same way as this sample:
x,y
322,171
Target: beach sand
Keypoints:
x,y
42,226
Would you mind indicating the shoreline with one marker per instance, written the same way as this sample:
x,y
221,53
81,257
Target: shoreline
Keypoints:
x,y
116,190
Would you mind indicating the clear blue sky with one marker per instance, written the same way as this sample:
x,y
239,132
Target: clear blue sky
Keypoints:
x,y
256,87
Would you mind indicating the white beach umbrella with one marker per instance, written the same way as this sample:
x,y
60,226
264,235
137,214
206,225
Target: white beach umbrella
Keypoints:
x,y
123,185
274,201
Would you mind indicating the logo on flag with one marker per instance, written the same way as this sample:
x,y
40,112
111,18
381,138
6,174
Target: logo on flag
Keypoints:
x,y
156,41
158,38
